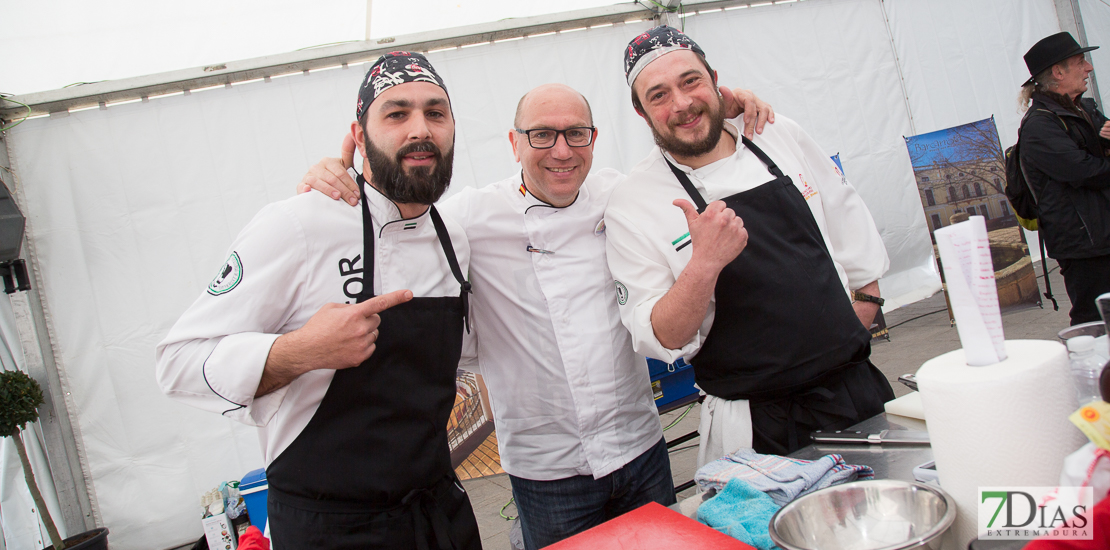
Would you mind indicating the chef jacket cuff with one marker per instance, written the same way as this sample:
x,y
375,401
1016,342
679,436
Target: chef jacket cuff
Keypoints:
x,y
234,370
645,342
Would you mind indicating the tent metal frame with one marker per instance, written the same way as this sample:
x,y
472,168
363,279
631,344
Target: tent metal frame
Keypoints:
x,y
66,466
78,513
143,88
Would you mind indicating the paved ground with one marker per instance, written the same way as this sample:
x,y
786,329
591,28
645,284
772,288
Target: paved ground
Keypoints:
x,y
918,332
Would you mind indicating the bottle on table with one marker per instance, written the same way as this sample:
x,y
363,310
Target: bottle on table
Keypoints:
x,y
1085,368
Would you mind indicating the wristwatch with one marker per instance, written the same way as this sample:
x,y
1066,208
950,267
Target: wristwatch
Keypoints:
x,y
861,297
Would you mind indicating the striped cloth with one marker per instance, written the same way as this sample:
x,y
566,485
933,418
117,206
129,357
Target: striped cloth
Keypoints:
x,y
782,478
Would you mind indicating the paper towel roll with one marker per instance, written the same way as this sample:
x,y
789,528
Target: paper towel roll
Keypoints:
x,y
998,425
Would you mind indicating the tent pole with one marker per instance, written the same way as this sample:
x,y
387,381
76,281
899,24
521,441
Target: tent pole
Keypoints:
x,y
669,16
369,11
1071,20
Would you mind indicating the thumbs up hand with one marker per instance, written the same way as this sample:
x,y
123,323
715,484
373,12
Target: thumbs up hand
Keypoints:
x,y
717,235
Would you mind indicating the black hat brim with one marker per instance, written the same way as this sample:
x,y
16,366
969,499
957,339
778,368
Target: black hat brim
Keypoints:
x,y
1070,54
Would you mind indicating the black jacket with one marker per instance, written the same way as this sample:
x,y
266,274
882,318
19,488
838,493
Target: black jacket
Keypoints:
x,y
1069,172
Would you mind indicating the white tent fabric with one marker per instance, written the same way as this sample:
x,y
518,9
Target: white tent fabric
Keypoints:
x,y
20,521
831,67
130,208
967,67
1096,23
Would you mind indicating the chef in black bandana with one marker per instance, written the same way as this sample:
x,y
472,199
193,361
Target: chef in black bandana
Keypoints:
x,y
338,331
751,257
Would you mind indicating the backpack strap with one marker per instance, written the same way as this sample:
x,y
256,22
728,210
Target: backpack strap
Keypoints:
x,y
1044,269
1021,165
1040,234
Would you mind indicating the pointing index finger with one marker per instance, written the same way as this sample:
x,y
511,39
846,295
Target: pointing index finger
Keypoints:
x,y
378,304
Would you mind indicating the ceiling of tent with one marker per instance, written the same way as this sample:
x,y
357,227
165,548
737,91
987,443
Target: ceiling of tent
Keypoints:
x,y
56,44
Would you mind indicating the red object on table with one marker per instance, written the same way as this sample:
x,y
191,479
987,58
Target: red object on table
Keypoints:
x,y
1100,528
649,527
253,540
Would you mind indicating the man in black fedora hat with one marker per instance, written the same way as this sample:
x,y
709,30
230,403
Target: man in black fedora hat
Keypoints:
x,y
1063,143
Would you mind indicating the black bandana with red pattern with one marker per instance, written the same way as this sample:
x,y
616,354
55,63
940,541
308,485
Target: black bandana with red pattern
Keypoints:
x,y
653,44
390,70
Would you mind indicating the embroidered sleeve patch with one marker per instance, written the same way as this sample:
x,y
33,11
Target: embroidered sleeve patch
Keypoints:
x,y
229,276
681,242
622,293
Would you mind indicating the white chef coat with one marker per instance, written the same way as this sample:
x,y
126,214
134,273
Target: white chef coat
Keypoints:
x,y
296,255
647,233
569,395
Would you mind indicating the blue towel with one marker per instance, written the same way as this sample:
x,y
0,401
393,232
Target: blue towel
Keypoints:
x,y
742,512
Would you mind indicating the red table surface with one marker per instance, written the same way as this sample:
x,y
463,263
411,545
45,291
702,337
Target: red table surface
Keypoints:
x,y
649,527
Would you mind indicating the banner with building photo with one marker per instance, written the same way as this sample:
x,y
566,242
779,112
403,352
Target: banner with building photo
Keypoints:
x,y
961,172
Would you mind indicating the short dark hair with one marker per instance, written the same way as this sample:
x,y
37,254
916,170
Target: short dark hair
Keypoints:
x,y
640,107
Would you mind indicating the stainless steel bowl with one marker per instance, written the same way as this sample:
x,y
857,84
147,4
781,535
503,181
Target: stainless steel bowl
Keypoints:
x,y
1094,328
865,515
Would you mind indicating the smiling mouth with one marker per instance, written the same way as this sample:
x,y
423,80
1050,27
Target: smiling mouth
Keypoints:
x,y
689,122
560,170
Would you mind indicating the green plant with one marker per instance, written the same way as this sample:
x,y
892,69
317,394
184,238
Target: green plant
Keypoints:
x,y
20,397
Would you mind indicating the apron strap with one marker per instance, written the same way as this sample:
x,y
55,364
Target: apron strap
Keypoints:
x,y
444,241
367,291
771,166
423,507
814,407
449,251
687,185
699,201
820,400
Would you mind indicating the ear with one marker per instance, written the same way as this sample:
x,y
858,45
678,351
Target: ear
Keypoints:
x,y
512,139
594,142
714,75
1058,71
359,136
636,108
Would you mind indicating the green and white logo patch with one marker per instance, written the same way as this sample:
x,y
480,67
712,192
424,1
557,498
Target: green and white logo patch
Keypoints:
x,y
229,276
681,242
622,293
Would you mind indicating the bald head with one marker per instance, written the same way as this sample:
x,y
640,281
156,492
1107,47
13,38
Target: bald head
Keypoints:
x,y
550,94
554,173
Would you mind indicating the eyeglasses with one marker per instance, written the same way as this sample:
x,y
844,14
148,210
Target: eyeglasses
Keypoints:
x,y
545,138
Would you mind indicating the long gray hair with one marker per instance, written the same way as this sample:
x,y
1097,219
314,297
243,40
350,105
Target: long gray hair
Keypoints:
x,y
1042,82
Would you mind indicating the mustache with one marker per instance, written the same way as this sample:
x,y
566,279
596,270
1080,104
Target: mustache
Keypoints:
x,y
419,147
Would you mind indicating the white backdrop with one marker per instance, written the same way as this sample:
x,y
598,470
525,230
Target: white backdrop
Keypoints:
x,y
1096,22
130,209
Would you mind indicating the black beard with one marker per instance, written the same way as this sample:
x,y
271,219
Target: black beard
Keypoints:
x,y
681,148
422,185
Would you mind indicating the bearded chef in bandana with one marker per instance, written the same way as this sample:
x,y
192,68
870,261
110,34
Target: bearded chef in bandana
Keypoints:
x,y
338,331
753,258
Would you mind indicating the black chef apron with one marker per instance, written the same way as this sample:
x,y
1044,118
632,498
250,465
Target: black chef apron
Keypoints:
x,y
372,468
785,335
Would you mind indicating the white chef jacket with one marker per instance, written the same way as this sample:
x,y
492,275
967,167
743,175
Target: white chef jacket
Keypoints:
x,y
295,256
647,233
569,395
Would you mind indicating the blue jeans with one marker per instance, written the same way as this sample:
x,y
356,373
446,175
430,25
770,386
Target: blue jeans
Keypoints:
x,y
551,511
